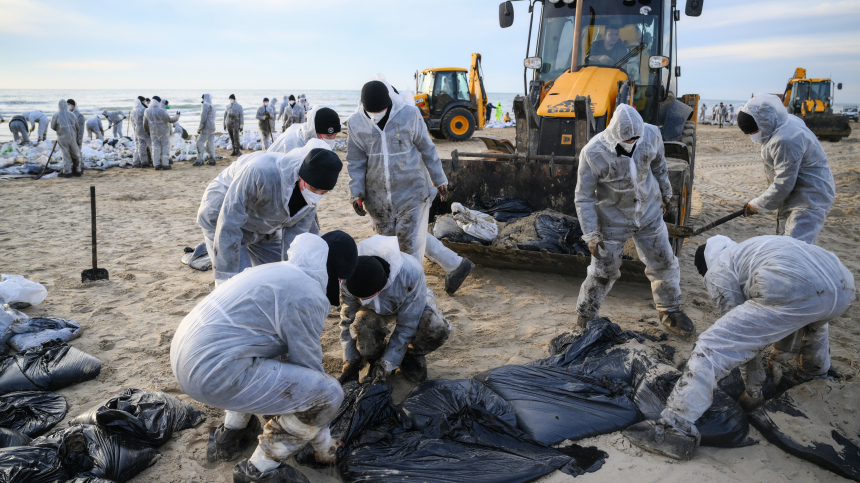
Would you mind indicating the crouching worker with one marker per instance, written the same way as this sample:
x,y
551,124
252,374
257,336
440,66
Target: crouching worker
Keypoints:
x,y
229,352
388,286
769,290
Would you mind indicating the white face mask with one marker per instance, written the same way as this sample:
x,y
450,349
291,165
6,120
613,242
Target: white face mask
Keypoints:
x,y
312,199
292,103
232,101
330,142
265,104
370,300
756,137
71,107
628,148
377,116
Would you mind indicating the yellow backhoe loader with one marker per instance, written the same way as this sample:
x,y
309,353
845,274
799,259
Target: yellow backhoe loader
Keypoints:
x,y
812,101
452,104
590,56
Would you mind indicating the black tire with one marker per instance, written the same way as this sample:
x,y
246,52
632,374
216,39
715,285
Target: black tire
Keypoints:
x,y
682,205
458,124
437,134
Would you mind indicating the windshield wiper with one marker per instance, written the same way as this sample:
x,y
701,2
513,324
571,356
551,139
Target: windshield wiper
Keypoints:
x,y
635,51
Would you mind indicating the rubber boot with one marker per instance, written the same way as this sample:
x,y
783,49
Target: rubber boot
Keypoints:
x,y
350,372
677,322
226,444
211,162
246,472
662,439
199,162
582,321
456,278
414,368
167,168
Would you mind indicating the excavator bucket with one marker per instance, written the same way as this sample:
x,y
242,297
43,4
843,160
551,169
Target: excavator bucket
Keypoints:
x,y
830,127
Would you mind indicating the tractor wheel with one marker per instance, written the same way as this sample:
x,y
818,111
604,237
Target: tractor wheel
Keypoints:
x,y
682,193
458,124
437,134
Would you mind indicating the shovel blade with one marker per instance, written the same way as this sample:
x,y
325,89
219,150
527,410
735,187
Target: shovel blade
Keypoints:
x,y
94,275
678,231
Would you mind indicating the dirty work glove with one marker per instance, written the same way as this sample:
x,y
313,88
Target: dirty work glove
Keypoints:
x,y
358,206
750,210
666,202
443,191
199,131
380,375
593,246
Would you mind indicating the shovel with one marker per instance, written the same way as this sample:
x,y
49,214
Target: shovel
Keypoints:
x,y
95,273
677,231
49,160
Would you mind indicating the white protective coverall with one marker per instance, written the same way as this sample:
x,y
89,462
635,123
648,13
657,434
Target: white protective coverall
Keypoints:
x,y
274,105
82,123
206,131
394,170
18,128
66,125
265,124
618,197
115,119
156,123
420,327
234,122
801,184
296,136
766,289
38,116
284,106
245,215
298,114
226,352
94,127
141,138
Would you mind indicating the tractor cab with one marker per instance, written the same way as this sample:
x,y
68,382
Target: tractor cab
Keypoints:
x,y
451,100
440,87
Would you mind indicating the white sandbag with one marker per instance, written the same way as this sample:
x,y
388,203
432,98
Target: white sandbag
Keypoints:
x,y
479,225
15,289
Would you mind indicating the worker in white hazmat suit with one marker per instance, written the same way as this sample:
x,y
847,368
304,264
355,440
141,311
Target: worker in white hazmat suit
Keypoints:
x,y
115,119
622,192
19,129
388,286
801,183
81,120
393,169
95,128
34,117
156,123
294,114
264,115
321,123
229,353
284,107
769,290
273,120
702,110
66,126
252,211
206,133
142,141
234,123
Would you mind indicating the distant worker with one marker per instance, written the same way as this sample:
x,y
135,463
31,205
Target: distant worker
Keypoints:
x,y
285,106
498,112
19,129
608,51
731,115
234,123
507,117
273,120
115,119
142,142
304,102
253,210
723,111
801,183
715,113
65,124
156,123
264,114
34,117
623,191
294,114
253,346
393,175
95,128
321,124
388,286
166,104
489,114
768,290
702,110
206,132
80,121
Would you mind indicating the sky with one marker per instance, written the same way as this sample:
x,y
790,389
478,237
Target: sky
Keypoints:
x,y
735,48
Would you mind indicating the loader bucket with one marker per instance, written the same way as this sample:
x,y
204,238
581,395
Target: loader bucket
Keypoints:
x,y
830,127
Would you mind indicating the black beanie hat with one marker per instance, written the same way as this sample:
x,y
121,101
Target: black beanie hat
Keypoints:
x,y
71,101
166,102
292,97
232,96
156,98
701,264
370,277
320,169
265,99
340,264
747,123
374,97
141,98
326,121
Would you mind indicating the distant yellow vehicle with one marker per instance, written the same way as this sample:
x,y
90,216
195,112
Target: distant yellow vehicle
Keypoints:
x,y
812,101
452,103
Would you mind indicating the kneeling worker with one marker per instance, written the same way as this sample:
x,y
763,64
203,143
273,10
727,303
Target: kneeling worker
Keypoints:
x,y
622,192
388,286
769,290
228,353
321,123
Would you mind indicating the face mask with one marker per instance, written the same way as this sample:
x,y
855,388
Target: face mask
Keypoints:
x,y
232,101
265,104
71,107
312,199
292,103
377,116
756,137
371,302
628,148
330,142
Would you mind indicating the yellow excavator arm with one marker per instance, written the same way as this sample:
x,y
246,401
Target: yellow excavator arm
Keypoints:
x,y
476,90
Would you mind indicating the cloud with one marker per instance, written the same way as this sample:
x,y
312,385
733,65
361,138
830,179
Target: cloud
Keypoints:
x,y
777,48
774,11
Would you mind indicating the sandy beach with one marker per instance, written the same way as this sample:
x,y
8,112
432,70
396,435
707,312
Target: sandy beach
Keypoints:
x,y
500,317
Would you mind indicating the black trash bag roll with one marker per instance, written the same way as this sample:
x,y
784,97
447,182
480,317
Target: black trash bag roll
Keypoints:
x,y
91,451
503,209
724,424
554,404
558,234
440,398
28,464
446,228
31,412
48,368
600,335
472,446
197,258
10,437
90,479
143,417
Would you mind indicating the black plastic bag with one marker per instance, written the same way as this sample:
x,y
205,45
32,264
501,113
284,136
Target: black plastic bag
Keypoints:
x,y
31,412
143,417
503,209
197,258
557,234
47,368
28,464
471,446
10,437
440,398
554,404
90,479
723,425
91,451
600,335
29,333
